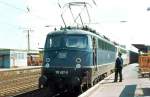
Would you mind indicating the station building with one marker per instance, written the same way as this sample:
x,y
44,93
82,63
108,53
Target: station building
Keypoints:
x,y
142,48
10,58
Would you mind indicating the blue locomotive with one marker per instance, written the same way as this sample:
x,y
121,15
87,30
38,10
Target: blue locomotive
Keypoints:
x,y
76,59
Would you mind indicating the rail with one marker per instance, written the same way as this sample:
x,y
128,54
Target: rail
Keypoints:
x,y
18,80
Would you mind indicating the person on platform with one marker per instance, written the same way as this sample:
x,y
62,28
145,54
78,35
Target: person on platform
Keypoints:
x,y
118,68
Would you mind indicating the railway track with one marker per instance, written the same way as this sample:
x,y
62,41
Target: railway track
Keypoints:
x,y
24,83
46,93
18,81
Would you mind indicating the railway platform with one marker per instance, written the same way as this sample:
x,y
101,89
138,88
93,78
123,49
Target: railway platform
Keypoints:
x,y
133,85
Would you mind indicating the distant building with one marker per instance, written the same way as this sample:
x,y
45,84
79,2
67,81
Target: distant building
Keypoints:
x,y
141,47
13,58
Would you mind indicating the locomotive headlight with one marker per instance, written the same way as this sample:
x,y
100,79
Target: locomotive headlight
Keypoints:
x,y
47,65
48,60
78,60
78,65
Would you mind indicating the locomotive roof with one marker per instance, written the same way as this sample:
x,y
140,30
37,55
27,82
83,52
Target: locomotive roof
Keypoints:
x,y
69,31
79,32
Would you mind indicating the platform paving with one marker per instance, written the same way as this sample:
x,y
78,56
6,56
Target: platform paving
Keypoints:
x,y
132,85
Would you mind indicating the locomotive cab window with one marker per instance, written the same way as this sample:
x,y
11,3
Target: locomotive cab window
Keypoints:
x,y
53,41
76,41
69,41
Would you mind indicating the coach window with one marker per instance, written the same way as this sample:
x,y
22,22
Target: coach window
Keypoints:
x,y
110,48
107,46
99,44
113,48
103,45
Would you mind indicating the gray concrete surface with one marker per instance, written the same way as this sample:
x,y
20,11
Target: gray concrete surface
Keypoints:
x,y
131,86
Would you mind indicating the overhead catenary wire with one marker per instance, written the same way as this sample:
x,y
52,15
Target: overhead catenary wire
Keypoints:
x,y
12,6
26,9
9,24
94,2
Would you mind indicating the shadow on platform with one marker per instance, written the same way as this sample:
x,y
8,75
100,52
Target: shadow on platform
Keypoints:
x,y
128,91
146,91
107,82
109,79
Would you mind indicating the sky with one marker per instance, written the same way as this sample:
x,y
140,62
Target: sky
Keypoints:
x,y
18,16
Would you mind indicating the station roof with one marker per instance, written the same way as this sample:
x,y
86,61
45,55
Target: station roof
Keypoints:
x,y
141,47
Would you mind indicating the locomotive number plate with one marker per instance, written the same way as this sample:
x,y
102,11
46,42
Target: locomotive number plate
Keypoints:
x,y
62,55
61,72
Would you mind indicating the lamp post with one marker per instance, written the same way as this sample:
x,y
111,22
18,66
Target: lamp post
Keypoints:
x,y
123,21
148,9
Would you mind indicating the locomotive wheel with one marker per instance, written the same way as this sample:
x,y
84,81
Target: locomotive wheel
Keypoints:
x,y
78,90
52,88
95,82
83,88
46,92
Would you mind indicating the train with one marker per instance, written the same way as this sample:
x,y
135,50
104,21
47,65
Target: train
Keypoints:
x,y
133,56
77,58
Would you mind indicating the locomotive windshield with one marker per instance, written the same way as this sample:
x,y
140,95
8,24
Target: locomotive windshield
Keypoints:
x,y
67,41
76,41
53,42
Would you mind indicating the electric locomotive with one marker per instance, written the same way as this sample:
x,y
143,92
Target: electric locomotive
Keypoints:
x,y
76,59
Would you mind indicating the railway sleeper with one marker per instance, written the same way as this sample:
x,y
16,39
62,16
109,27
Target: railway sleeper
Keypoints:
x,y
18,86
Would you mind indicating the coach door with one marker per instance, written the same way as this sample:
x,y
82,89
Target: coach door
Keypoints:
x,y
94,52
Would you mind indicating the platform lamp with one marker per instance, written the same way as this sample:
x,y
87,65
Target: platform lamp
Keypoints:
x,y
123,21
148,9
